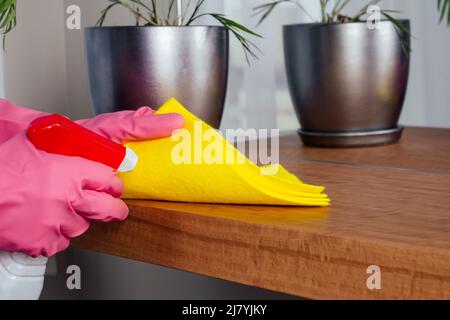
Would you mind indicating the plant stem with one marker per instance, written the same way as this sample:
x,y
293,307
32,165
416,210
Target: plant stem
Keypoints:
x,y
323,9
266,9
151,17
169,12
185,11
194,15
133,10
338,7
155,13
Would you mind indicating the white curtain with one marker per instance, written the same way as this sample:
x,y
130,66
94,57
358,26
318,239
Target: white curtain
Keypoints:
x,y
258,96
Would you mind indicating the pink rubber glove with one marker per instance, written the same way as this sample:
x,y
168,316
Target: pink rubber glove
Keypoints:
x,y
120,127
14,119
49,199
137,125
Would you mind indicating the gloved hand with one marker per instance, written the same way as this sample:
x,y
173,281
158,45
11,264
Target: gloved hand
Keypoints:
x,y
142,124
14,119
48,199
120,127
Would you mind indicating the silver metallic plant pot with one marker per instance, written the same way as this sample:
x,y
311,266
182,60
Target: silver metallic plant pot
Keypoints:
x,y
347,82
131,67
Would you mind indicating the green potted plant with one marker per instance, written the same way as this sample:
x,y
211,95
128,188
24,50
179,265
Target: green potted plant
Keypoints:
x,y
7,17
347,76
164,55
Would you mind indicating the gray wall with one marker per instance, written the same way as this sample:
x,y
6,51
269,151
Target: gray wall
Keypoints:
x,y
44,69
108,277
35,57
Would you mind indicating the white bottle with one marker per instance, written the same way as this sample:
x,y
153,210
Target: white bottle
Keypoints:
x,y
21,277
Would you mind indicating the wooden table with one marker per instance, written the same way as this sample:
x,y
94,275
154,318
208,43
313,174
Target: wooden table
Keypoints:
x,y
390,208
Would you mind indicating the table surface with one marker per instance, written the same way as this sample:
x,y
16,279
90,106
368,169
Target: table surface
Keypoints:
x,y
390,208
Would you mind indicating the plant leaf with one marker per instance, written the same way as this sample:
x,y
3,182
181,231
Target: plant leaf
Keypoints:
x,y
402,30
8,18
266,9
235,24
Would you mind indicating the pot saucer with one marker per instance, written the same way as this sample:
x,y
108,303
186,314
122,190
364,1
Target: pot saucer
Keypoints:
x,y
351,139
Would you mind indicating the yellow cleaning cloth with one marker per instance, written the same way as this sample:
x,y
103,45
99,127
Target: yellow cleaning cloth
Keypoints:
x,y
197,164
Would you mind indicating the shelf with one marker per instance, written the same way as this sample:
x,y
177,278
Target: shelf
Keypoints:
x,y
390,208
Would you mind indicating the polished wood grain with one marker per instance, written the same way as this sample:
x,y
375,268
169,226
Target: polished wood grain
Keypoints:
x,y
390,208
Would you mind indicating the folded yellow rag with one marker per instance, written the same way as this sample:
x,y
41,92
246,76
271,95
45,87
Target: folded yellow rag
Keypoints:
x,y
197,164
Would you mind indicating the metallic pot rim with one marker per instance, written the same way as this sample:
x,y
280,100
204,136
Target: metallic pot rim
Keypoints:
x,y
351,133
351,140
338,25
156,27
